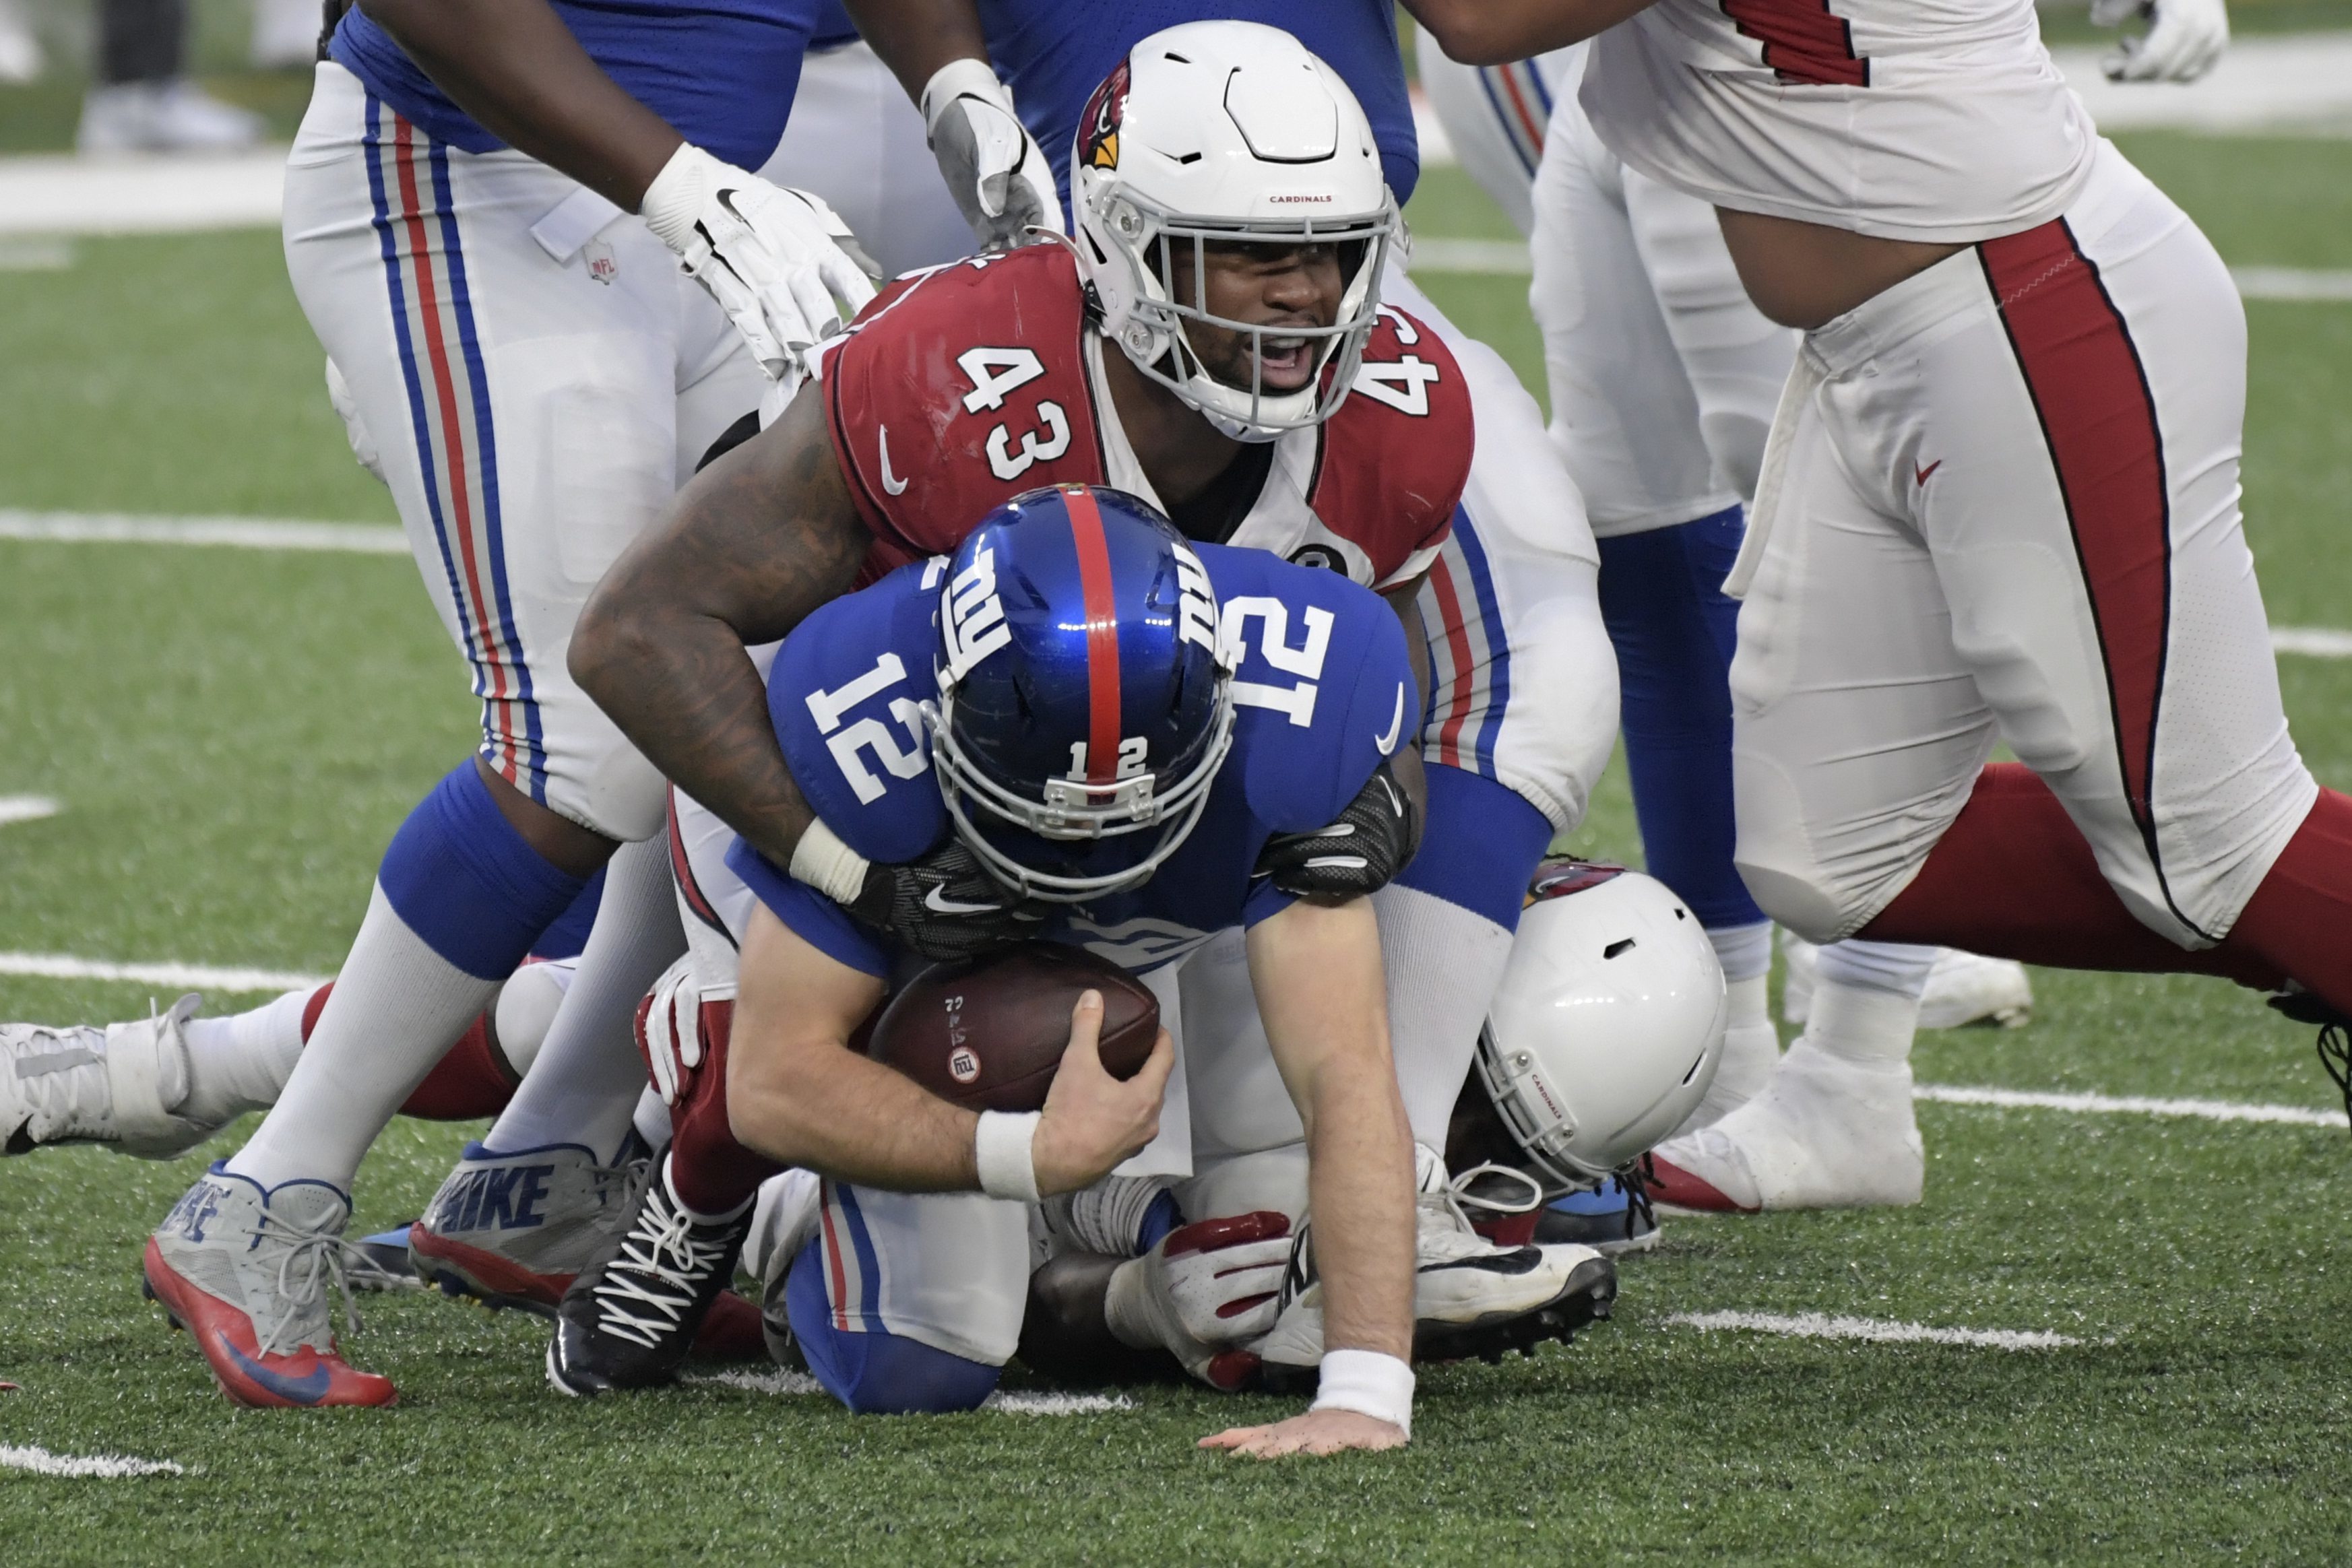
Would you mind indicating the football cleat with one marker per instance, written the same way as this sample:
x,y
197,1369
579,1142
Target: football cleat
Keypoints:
x,y
512,1230
246,1271
1828,1132
1611,1219
783,1222
631,1316
90,1084
1963,989
1473,1298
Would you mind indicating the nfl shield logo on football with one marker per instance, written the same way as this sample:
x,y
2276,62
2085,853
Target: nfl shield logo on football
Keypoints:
x,y
963,1064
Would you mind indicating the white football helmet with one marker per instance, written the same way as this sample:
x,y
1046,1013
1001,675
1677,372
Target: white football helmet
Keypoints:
x,y
1608,1025
1218,132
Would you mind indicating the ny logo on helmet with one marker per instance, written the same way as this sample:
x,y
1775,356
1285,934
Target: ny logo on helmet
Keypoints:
x,y
975,625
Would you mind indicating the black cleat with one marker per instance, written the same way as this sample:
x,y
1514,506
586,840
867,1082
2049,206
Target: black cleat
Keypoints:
x,y
631,1317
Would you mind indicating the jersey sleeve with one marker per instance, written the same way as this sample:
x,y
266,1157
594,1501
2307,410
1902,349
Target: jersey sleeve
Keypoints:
x,y
956,390
844,696
1324,691
808,913
1396,455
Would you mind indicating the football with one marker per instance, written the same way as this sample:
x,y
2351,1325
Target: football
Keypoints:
x,y
989,1034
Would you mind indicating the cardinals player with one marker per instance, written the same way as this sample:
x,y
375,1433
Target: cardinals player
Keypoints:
x,y
1999,501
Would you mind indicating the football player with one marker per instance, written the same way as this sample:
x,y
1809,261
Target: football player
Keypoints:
x,y
2000,499
1664,376
1143,739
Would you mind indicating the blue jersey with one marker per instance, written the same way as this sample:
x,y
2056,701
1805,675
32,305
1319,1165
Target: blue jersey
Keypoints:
x,y
1053,53
1320,698
723,72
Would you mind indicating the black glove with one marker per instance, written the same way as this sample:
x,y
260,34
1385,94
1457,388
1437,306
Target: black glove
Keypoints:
x,y
944,906
1361,852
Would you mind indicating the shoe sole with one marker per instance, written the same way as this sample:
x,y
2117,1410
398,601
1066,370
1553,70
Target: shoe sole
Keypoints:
x,y
459,1271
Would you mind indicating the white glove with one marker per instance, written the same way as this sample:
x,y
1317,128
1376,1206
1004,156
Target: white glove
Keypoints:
x,y
998,175
1203,1290
780,262
669,1030
2184,38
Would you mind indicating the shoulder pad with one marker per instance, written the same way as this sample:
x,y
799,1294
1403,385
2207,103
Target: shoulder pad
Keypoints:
x,y
1396,455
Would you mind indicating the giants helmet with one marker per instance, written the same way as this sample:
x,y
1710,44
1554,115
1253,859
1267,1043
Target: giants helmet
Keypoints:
x,y
1218,133
1608,1025
1084,698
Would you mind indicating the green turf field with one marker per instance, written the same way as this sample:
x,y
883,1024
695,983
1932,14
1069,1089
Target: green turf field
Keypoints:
x,y
235,733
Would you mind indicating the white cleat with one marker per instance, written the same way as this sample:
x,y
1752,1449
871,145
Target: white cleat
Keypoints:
x,y
1750,1052
1963,989
162,117
92,1084
1828,1132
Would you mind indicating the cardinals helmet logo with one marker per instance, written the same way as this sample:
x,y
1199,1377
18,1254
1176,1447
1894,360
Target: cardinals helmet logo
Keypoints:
x,y
1099,126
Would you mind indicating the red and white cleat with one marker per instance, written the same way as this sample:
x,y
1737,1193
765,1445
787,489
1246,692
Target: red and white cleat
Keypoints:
x,y
246,1271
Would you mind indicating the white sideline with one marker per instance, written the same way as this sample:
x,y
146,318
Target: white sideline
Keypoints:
x,y
1820,1325
795,1383
26,808
248,533
182,976
2127,1105
105,1467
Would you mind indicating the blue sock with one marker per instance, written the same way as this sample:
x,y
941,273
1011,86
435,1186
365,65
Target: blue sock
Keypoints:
x,y
469,884
1662,599
876,1371
1481,846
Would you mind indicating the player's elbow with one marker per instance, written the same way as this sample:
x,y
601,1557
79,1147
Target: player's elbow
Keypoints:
x,y
1464,30
611,638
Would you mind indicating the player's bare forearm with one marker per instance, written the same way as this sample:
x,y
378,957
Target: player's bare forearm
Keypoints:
x,y
757,542
1321,990
797,1093
915,38
1496,32
516,68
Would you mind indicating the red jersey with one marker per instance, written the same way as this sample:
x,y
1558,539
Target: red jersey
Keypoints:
x,y
959,388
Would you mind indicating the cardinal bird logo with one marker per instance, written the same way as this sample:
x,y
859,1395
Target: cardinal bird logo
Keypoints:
x,y
1098,135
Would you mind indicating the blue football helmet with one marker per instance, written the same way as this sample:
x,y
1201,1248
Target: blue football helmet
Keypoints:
x,y
1085,702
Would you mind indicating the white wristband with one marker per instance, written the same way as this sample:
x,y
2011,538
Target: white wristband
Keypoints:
x,y
828,865
1370,1383
965,78
675,198
999,1147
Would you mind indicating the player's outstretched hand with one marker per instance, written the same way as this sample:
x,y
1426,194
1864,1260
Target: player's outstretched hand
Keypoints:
x,y
1317,1432
780,262
996,172
1092,1120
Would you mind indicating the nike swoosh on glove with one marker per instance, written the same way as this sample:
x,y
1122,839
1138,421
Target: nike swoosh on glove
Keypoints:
x,y
1361,852
944,906
780,262
997,174
2184,39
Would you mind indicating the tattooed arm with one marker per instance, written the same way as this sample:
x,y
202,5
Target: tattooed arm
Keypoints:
x,y
757,540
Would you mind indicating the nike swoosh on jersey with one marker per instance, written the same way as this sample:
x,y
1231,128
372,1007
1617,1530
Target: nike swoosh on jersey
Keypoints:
x,y
1922,473
300,1390
937,904
1387,743
890,482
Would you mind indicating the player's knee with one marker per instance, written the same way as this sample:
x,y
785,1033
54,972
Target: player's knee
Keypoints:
x,y
874,1372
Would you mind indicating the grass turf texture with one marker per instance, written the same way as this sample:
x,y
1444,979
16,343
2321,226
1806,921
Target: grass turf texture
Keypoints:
x,y
236,734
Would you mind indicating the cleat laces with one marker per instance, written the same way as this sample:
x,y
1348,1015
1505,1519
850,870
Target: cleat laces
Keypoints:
x,y
662,1267
1444,1226
313,1256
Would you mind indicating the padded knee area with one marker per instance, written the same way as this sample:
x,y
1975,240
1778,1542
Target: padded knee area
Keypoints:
x,y
1481,847
874,1372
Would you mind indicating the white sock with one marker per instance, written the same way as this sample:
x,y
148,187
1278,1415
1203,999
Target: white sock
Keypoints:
x,y
1744,951
1444,964
525,1010
398,1007
651,1119
1866,1000
241,1062
583,1086
1749,1006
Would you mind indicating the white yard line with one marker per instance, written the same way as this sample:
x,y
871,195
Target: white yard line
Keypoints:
x,y
1820,1325
26,808
798,1383
104,1466
62,194
2315,642
2127,1105
182,976
246,533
